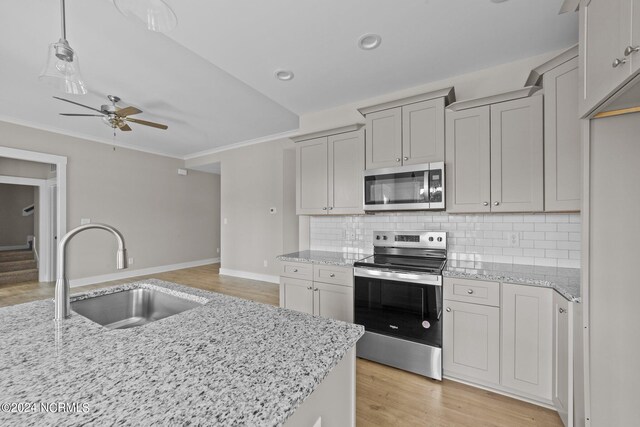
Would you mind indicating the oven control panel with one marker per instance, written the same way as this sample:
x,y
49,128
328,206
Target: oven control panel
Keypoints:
x,y
411,239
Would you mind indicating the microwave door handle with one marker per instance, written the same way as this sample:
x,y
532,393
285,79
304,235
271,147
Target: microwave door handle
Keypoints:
x,y
427,186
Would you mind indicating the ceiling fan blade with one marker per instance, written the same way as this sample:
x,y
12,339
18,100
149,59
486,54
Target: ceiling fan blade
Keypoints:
x,y
81,105
128,111
146,123
80,115
125,127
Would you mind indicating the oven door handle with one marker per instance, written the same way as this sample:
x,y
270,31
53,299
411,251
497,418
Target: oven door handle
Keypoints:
x,y
400,276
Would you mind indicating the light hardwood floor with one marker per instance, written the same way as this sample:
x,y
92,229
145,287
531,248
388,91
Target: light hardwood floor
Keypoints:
x,y
385,396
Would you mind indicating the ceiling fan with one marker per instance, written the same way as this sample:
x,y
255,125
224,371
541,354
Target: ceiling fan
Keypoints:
x,y
113,116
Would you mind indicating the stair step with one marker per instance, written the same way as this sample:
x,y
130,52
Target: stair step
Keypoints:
x,y
30,275
25,264
15,255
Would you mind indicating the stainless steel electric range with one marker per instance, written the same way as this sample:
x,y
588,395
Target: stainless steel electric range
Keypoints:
x,y
398,299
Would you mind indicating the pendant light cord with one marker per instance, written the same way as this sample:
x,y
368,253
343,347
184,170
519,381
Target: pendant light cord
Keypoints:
x,y
64,21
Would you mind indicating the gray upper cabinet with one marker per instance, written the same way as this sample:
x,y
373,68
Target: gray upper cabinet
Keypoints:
x,y
346,163
329,174
384,139
605,34
468,165
407,131
423,132
495,157
517,156
562,168
312,179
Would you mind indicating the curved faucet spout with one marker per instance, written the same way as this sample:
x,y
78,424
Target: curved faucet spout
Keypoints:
x,y
62,303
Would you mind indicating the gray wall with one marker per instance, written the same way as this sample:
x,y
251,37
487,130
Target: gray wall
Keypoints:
x,y
14,228
25,169
165,218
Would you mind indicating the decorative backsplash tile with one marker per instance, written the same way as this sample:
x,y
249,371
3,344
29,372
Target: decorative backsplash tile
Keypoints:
x,y
535,239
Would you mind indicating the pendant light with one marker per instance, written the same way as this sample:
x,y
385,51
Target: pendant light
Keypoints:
x,y
154,15
62,70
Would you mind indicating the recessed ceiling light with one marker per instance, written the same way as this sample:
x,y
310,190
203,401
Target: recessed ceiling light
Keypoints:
x,y
284,75
369,41
498,1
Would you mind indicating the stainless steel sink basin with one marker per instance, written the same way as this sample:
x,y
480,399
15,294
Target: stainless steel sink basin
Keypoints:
x,y
135,307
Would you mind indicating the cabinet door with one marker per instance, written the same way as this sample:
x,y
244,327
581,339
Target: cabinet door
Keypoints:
x,y
346,163
384,139
605,26
562,160
468,160
423,132
296,294
527,327
471,341
561,358
517,183
312,177
333,301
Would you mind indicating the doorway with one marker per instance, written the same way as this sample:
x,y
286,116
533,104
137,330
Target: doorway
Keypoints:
x,y
50,202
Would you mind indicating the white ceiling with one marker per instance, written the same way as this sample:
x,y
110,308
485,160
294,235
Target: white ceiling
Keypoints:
x,y
211,79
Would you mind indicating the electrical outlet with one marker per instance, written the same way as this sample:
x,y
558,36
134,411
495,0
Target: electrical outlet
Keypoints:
x,y
84,221
224,221
130,261
217,250
350,235
266,264
513,239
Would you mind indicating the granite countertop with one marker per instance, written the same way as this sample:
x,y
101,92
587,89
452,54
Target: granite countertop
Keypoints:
x,y
228,362
343,259
564,280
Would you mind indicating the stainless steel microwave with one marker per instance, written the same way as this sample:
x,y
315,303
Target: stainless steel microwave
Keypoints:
x,y
415,187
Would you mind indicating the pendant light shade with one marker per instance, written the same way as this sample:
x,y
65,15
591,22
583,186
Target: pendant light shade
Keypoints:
x,y
62,70
154,15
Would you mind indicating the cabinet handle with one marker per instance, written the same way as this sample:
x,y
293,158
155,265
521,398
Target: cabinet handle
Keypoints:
x,y
485,203
309,287
631,49
332,275
330,208
561,310
448,310
324,209
316,290
398,159
295,270
406,158
617,62
496,203
470,291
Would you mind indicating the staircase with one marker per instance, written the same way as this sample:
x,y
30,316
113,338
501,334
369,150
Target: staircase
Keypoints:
x,y
17,267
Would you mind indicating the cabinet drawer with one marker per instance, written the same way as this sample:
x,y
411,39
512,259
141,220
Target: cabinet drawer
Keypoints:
x,y
332,274
472,291
296,270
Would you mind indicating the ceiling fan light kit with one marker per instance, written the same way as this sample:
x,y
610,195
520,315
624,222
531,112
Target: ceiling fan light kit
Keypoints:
x,y
62,69
154,15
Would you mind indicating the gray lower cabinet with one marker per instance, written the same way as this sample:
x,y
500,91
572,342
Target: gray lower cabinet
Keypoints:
x,y
317,289
406,135
329,174
471,341
494,157
527,343
562,359
562,154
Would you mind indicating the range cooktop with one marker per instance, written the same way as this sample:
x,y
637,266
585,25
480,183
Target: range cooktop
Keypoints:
x,y
403,263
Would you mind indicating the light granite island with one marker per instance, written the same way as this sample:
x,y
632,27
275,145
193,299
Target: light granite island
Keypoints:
x,y
228,362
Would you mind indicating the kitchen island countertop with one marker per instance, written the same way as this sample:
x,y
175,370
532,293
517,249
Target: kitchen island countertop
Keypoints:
x,y
228,362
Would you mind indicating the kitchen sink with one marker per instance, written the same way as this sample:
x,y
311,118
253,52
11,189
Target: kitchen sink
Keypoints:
x,y
131,308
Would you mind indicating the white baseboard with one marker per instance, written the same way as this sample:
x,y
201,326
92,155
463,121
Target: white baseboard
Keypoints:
x,y
248,275
126,274
14,247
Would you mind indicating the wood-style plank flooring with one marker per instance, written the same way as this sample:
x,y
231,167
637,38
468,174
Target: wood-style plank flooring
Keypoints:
x,y
385,396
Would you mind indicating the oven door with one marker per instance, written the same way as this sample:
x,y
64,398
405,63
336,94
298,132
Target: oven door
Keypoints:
x,y
399,308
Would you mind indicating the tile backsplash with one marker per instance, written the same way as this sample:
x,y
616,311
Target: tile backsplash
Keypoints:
x,y
535,239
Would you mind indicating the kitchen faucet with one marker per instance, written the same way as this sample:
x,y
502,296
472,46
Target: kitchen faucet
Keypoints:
x,y
62,303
